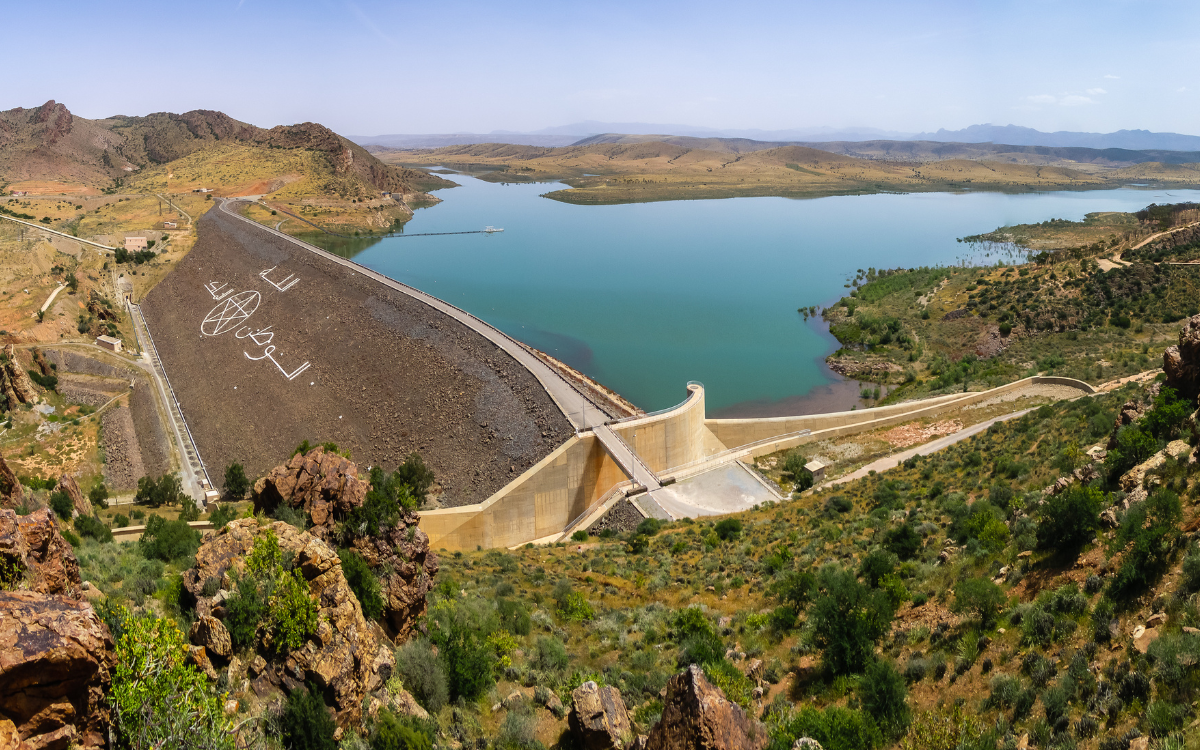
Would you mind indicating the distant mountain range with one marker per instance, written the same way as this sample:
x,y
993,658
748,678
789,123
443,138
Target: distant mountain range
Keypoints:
x,y
1014,135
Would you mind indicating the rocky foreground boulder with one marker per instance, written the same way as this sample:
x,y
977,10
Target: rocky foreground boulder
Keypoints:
x,y
348,658
327,487
1181,362
82,506
598,719
56,662
697,716
12,494
32,549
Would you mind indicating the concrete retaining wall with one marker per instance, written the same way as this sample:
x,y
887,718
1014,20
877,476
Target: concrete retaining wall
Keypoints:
x,y
672,439
541,502
556,491
737,432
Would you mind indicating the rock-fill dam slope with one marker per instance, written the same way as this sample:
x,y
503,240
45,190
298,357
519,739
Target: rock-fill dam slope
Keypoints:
x,y
267,344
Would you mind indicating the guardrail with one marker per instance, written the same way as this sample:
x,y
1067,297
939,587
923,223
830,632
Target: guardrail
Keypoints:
x,y
657,412
170,389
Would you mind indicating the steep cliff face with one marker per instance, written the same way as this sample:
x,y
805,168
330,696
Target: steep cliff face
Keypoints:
x,y
33,550
327,487
56,661
347,657
1181,362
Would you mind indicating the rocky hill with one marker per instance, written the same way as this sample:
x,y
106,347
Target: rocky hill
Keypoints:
x,y
50,143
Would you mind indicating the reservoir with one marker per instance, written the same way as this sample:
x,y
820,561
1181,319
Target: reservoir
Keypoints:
x,y
645,297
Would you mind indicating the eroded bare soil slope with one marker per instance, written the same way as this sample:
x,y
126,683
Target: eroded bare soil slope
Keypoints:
x,y
337,357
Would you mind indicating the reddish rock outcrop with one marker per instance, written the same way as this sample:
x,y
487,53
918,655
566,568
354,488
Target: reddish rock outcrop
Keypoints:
x,y
82,506
697,716
401,557
325,485
55,669
598,719
348,658
12,494
21,383
1181,362
34,545
1130,412
328,488
210,633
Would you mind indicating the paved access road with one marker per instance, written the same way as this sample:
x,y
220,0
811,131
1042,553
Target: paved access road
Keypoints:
x,y
578,409
894,460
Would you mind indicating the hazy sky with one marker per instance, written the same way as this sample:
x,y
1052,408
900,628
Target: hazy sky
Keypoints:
x,y
368,67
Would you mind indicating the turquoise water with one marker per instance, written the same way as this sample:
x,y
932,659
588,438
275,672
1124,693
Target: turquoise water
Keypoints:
x,y
645,297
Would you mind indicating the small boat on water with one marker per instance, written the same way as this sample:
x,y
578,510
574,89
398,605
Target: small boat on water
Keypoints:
x,y
489,229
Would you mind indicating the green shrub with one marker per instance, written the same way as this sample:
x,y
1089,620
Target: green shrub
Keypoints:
x,y
363,583
383,504
513,616
120,520
1191,569
396,733
1133,447
637,544
244,612
159,699
222,515
847,619
1148,535
884,695
60,503
460,632
876,565
980,597
236,483
835,728
166,490
579,536
550,655
415,475
903,541
168,540
1069,520
90,526
648,527
728,529
98,495
423,674
71,538
305,722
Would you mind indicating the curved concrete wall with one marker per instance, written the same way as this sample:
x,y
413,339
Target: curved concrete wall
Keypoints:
x,y
673,438
556,491
541,502
738,432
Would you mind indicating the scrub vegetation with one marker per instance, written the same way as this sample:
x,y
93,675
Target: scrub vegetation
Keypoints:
x,y
1072,312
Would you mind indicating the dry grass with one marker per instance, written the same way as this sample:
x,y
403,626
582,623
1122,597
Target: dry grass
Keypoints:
x,y
660,171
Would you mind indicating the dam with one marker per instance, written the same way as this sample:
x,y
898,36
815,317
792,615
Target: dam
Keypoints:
x,y
300,344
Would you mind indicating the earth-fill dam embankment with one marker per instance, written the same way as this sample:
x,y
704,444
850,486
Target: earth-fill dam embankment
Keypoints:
x,y
267,345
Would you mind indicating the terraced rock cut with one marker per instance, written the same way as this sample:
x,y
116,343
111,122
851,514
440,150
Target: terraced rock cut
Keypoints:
x,y
337,357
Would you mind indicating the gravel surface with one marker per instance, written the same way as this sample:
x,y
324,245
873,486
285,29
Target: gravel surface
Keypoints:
x,y
90,391
387,375
622,517
122,457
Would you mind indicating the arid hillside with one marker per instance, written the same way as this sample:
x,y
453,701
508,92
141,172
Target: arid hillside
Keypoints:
x,y
49,143
625,169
